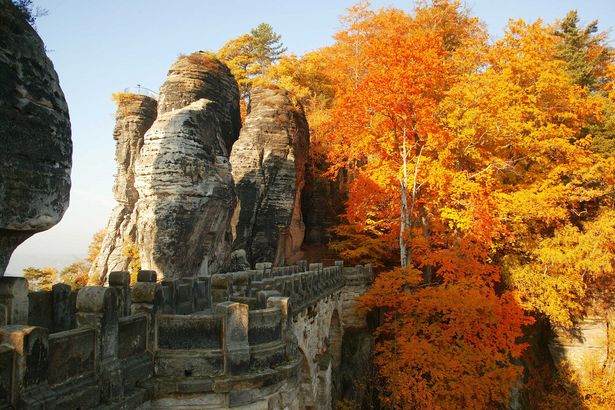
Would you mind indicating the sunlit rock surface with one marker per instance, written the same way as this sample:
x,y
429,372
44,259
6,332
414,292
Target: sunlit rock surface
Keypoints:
x,y
268,164
135,114
35,137
183,177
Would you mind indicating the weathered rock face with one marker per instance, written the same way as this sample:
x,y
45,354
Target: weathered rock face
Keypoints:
x,y
322,201
184,181
268,164
589,343
36,148
198,76
135,114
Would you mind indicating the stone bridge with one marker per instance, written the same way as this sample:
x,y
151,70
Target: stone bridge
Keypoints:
x,y
266,338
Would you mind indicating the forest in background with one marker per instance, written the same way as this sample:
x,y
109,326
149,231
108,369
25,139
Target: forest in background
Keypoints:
x,y
479,178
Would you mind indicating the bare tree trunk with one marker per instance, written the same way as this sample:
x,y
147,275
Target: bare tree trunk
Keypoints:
x,y
413,199
402,226
403,211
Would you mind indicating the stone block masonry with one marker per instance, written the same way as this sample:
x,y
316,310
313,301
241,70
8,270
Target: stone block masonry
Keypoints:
x,y
268,337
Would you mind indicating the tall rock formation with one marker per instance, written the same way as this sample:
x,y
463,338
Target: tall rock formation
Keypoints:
x,y
184,181
268,164
35,138
323,203
135,115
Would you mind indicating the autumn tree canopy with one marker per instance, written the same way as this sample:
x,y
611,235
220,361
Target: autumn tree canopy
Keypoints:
x,y
478,163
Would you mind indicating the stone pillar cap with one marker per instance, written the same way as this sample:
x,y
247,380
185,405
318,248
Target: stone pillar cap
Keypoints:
x,y
147,276
119,278
93,299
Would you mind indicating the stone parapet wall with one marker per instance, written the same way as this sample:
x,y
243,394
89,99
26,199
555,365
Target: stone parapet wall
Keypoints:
x,y
224,337
100,362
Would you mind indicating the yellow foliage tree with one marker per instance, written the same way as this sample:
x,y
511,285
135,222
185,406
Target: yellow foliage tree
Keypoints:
x,y
40,279
250,55
131,252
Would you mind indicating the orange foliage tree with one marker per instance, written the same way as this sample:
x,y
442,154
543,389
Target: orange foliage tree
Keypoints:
x,y
475,161
448,339
487,167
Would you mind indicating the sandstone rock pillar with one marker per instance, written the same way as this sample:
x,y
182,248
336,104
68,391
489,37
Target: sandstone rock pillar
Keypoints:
x,y
135,114
36,148
186,190
268,162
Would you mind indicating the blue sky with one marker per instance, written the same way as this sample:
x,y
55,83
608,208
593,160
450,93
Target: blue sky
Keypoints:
x,y
100,47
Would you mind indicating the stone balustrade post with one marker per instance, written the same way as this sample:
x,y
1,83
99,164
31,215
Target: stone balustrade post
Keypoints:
x,y
14,297
264,267
30,346
241,283
62,310
278,284
185,298
297,291
170,296
336,275
263,296
302,265
256,287
235,337
305,286
370,272
221,288
268,284
288,286
146,298
255,275
284,304
120,281
313,283
147,276
203,292
325,278
317,267
98,307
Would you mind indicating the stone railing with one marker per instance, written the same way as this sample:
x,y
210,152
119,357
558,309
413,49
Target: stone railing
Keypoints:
x,y
125,345
102,360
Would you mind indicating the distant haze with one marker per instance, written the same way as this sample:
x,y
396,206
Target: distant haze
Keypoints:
x,y
55,260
